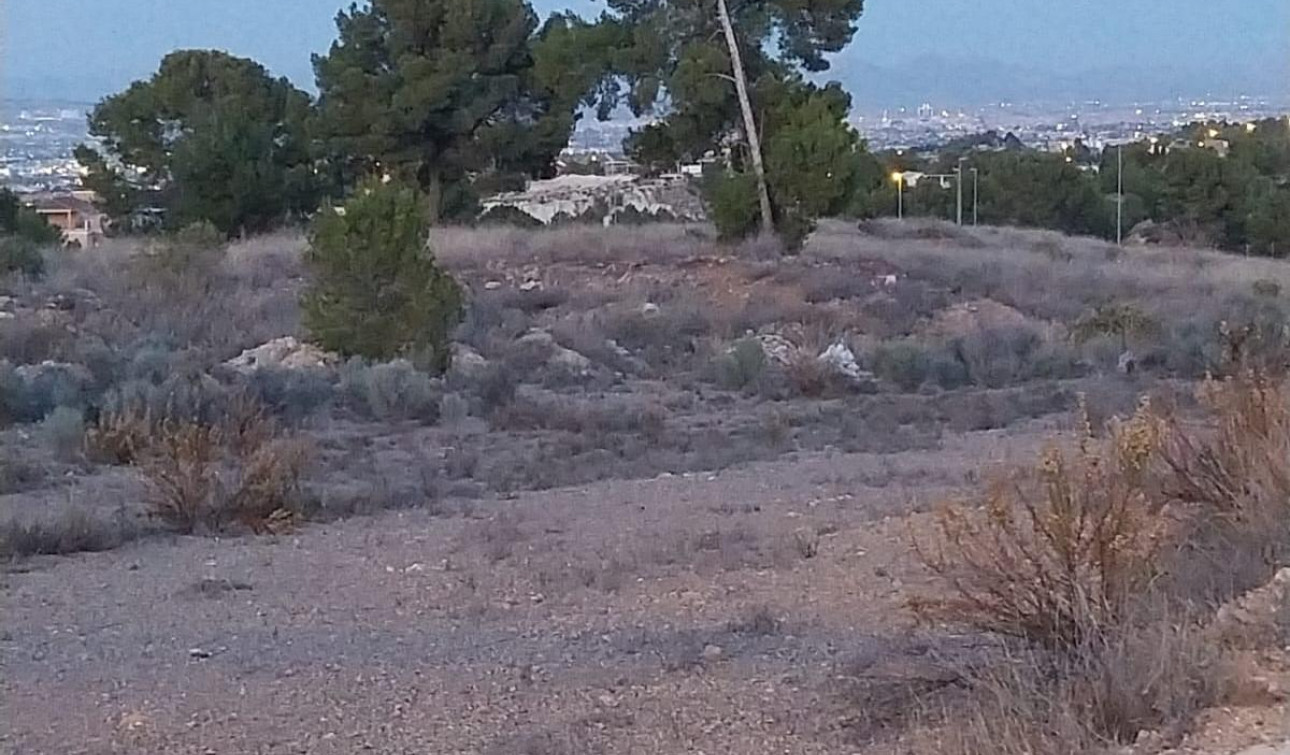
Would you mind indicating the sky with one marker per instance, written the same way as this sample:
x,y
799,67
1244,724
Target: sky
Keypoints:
x,y
84,49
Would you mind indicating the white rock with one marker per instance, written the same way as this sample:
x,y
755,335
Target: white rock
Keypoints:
x,y
840,359
466,361
541,341
777,348
570,360
285,353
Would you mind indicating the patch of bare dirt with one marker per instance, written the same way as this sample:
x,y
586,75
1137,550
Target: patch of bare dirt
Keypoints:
x,y
716,612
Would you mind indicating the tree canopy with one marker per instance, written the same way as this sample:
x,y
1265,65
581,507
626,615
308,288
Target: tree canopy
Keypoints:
x,y
442,93
209,137
671,58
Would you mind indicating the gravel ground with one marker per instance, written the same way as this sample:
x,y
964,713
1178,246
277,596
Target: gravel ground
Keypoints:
x,y
704,613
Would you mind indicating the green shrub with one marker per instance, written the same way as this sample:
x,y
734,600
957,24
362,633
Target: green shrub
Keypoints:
x,y
64,430
291,394
196,248
742,365
30,396
19,255
377,292
732,203
905,363
391,391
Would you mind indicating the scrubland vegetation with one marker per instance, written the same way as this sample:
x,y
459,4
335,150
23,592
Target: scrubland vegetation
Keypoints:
x,y
136,402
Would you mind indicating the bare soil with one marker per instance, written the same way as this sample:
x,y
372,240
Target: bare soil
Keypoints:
x,y
709,612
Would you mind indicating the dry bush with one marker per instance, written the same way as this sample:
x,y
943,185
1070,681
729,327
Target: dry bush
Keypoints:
x,y
1056,556
74,530
1146,681
465,248
1242,467
117,437
179,466
1109,562
1232,476
208,476
266,495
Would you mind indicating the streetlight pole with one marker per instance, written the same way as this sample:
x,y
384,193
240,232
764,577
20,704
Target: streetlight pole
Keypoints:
x,y
899,178
1119,198
959,182
976,194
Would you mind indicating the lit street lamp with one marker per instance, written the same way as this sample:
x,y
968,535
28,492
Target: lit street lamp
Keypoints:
x,y
899,178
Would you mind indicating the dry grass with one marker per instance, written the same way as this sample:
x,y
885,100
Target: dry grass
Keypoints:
x,y
465,248
1100,563
75,530
206,477
1056,556
1150,681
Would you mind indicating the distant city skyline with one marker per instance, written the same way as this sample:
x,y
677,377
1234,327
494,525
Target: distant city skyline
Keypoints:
x,y
944,50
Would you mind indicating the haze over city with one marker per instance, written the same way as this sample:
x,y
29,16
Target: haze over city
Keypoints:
x,y
945,51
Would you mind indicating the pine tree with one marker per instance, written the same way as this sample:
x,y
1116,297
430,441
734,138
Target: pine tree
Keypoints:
x,y
377,292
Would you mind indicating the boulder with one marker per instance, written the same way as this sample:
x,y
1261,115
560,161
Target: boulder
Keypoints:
x,y
778,349
543,344
285,353
75,373
466,361
569,360
841,361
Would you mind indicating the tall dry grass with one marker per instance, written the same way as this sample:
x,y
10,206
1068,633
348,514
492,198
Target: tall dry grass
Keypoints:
x,y
1055,555
1101,565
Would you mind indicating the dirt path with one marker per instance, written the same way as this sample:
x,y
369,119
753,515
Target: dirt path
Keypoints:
x,y
708,613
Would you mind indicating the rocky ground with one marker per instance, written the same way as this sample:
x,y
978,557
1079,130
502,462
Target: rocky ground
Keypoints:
x,y
711,612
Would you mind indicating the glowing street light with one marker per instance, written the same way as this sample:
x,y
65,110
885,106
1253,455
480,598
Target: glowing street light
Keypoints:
x,y
899,178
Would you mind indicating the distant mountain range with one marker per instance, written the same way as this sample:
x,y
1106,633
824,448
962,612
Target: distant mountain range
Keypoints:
x,y
947,81
942,80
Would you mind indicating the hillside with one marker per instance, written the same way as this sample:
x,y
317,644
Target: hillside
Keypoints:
x,y
664,501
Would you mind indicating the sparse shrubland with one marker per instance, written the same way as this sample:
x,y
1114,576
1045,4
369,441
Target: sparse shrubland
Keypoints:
x,y
1108,565
583,353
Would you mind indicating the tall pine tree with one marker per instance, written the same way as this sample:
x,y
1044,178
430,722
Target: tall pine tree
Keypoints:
x,y
441,93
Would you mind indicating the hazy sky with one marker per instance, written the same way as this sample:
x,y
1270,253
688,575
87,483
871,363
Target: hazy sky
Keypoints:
x,y
86,48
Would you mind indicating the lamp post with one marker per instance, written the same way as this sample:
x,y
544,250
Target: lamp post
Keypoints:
x,y
1119,197
976,194
959,172
899,178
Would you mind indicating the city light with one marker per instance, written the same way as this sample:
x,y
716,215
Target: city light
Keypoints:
x,y
897,177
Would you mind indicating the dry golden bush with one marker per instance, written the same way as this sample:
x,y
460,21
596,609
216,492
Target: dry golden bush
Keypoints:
x,y
1241,466
267,492
1110,561
1142,681
179,467
242,471
1055,555
117,437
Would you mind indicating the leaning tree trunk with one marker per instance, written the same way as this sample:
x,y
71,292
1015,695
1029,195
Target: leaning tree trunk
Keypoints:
x,y
750,124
